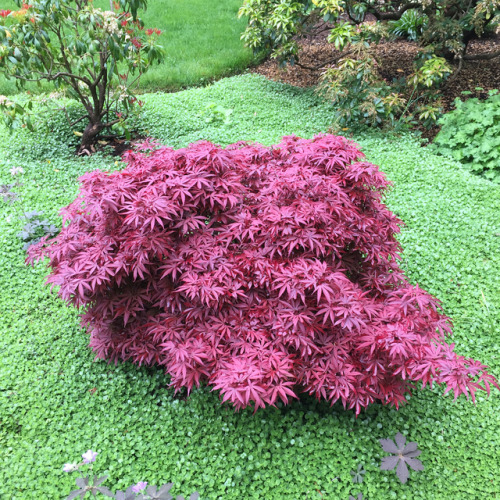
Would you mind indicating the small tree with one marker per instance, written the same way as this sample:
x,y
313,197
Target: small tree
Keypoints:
x,y
97,56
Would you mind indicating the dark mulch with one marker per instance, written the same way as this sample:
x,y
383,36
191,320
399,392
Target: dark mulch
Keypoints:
x,y
395,60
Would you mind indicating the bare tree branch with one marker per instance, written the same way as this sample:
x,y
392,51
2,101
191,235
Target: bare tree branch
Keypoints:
x,y
326,63
482,57
111,123
394,16
72,124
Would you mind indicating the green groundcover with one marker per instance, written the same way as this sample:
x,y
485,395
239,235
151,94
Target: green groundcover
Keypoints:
x,y
56,402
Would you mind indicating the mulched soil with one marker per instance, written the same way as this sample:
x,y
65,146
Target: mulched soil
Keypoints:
x,y
395,60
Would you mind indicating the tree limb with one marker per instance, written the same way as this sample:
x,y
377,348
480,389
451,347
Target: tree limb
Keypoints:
x,y
482,57
322,65
394,16
111,123
72,124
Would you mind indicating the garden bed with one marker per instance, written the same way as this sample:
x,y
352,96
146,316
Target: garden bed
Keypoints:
x,y
395,61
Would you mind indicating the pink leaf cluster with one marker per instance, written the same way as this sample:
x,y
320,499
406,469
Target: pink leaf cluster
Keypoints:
x,y
262,271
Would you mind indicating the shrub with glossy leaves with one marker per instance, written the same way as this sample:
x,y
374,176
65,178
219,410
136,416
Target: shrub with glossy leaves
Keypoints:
x,y
263,271
97,56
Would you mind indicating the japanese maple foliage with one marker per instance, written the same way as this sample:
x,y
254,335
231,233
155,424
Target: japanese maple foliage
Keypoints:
x,y
262,271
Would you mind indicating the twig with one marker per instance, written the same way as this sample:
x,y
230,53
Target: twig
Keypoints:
x,y
322,65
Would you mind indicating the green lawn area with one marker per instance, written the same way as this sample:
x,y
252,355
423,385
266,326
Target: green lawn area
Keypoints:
x,y
56,402
201,42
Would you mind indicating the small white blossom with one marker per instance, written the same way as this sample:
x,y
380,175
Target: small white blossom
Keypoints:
x,y
56,95
110,22
70,467
16,171
89,457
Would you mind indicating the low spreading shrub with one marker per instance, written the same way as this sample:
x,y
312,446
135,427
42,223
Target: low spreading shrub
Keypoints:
x,y
471,134
263,271
363,98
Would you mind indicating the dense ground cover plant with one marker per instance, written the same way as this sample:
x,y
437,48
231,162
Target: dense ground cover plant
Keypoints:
x,y
97,56
265,271
471,134
55,402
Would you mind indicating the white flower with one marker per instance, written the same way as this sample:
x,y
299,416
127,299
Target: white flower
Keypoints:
x,y
69,467
89,457
56,95
16,170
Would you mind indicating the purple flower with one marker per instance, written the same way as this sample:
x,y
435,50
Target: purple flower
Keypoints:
x,y
89,457
139,486
69,467
402,456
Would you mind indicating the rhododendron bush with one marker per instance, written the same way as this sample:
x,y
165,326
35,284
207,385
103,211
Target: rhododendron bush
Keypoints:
x,y
95,56
262,271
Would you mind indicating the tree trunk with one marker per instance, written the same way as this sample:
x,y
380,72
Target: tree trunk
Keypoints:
x,y
89,138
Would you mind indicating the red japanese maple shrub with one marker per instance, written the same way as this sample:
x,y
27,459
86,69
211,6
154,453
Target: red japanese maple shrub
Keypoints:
x,y
263,271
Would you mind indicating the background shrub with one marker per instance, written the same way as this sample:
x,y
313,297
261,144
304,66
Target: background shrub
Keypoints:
x,y
410,25
471,134
264,271
97,56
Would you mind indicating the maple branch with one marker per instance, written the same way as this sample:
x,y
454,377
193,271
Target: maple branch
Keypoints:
x,y
394,16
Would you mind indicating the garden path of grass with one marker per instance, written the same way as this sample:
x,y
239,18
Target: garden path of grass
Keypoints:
x,y
56,402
